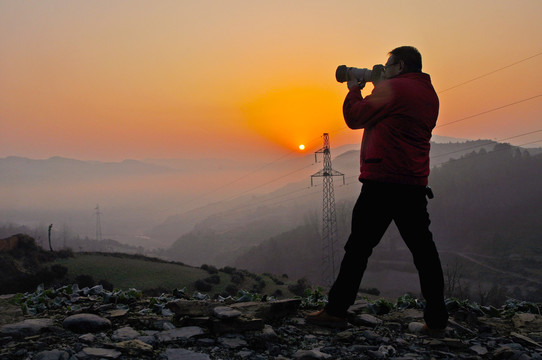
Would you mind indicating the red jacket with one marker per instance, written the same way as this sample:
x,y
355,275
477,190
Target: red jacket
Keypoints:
x,y
398,118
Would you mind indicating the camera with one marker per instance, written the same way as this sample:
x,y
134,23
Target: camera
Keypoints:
x,y
344,73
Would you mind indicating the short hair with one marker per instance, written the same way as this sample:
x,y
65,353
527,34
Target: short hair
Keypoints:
x,y
410,56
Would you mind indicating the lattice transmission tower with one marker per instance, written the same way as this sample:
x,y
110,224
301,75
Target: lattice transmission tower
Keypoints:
x,y
98,224
330,261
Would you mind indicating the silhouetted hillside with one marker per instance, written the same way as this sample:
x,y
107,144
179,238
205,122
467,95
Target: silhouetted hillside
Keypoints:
x,y
487,204
292,252
220,239
252,220
345,160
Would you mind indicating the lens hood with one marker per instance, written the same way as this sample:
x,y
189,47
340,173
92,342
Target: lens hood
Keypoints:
x,y
341,74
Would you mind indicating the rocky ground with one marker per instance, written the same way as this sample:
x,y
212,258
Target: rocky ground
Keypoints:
x,y
70,323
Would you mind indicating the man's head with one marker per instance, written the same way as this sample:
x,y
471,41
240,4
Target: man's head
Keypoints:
x,y
403,60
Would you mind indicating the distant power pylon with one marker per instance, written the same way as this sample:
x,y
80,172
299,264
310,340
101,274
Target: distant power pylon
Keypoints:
x,y
330,262
98,224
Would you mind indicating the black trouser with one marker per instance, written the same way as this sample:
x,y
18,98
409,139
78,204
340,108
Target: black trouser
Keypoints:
x,y
377,205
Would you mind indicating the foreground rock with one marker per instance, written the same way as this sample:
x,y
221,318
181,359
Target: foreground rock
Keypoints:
x,y
181,329
84,323
27,327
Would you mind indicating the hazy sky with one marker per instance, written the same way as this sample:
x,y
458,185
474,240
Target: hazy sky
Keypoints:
x,y
110,80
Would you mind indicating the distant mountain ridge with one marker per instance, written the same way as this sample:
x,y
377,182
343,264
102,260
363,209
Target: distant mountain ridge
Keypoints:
x,y
19,170
345,159
153,202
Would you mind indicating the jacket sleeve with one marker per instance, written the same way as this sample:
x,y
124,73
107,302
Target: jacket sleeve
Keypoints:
x,y
360,113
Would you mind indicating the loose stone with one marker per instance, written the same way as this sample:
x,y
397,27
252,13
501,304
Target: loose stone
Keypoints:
x,y
310,354
124,333
183,354
233,343
134,346
367,320
479,350
52,355
29,327
99,353
225,312
178,334
84,323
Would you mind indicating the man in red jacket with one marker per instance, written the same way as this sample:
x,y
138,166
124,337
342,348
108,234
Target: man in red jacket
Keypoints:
x,y
397,119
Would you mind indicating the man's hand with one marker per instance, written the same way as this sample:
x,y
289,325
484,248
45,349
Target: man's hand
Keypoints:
x,y
378,74
355,84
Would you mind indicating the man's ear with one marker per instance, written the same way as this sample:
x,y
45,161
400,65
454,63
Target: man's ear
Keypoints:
x,y
401,66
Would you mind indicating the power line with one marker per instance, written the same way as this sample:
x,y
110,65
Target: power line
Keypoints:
x,y
267,183
530,142
474,79
207,193
490,73
488,111
472,116
312,190
503,149
488,143
248,206
450,88
345,127
455,121
478,146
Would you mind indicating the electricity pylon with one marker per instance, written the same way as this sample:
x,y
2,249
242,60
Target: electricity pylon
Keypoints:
x,y
330,262
98,224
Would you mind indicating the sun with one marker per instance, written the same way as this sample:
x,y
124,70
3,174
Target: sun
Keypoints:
x,y
301,147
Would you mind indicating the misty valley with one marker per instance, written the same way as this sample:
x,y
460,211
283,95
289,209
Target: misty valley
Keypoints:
x,y
485,215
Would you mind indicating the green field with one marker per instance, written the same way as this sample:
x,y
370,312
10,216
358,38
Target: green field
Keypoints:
x,y
126,272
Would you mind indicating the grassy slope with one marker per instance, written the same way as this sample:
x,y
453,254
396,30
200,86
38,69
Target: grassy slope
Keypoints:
x,y
127,272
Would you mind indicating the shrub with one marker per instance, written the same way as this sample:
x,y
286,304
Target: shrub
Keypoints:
x,y
231,290
26,243
106,284
213,279
209,268
299,287
228,269
85,281
237,278
201,285
275,279
59,271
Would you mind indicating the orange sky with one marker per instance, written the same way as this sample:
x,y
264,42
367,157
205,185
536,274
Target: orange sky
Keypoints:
x,y
243,78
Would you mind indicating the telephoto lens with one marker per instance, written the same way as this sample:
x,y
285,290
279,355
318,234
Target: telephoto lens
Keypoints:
x,y
344,73
341,74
